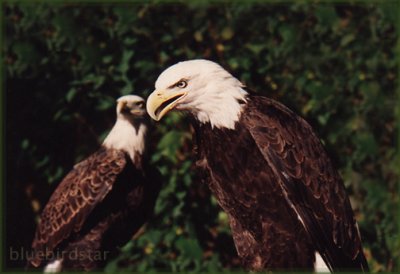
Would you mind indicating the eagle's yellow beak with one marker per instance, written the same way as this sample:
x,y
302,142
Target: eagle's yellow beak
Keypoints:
x,y
160,102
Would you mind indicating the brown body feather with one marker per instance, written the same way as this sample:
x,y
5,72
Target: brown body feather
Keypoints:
x,y
98,207
281,192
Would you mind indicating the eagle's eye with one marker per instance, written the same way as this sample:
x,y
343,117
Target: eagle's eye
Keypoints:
x,y
181,84
140,104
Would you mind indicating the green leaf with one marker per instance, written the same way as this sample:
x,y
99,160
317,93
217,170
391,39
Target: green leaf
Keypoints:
x,y
125,60
347,39
106,103
326,15
26,52
25,144
227,33
288,34
170,143
107,59
367,145
71,94
190,248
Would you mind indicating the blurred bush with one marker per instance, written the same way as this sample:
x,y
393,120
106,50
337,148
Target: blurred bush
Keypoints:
x,y
65,64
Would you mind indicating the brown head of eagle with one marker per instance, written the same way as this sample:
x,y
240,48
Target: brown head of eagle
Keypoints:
x,y
267,169
103,201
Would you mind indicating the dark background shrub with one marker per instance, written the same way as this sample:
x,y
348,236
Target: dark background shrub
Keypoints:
x,y
65,64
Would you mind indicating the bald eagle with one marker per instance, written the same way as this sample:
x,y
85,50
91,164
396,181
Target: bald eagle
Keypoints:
x,y
103,201
267,169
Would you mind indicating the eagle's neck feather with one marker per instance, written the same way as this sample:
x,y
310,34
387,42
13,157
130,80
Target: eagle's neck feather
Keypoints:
x,y
223,106
124,136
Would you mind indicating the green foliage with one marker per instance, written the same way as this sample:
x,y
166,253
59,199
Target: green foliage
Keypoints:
x,y
66,64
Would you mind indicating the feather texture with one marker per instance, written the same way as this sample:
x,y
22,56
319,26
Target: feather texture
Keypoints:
x,y
74,199
311,184
282,194
98,206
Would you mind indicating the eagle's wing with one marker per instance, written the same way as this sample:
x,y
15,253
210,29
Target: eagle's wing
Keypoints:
x,y
73,200
311,185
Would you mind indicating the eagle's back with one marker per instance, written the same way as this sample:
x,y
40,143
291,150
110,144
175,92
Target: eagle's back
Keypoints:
x,y
310,183
98,206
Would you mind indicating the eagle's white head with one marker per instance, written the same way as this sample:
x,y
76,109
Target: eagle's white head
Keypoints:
x,y
202,88
131,107
129,131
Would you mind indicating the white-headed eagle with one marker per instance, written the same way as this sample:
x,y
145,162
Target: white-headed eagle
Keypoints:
x,y
103,201
268,170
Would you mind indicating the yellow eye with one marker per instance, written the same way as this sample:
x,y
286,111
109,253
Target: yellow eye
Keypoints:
x,y
181,84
